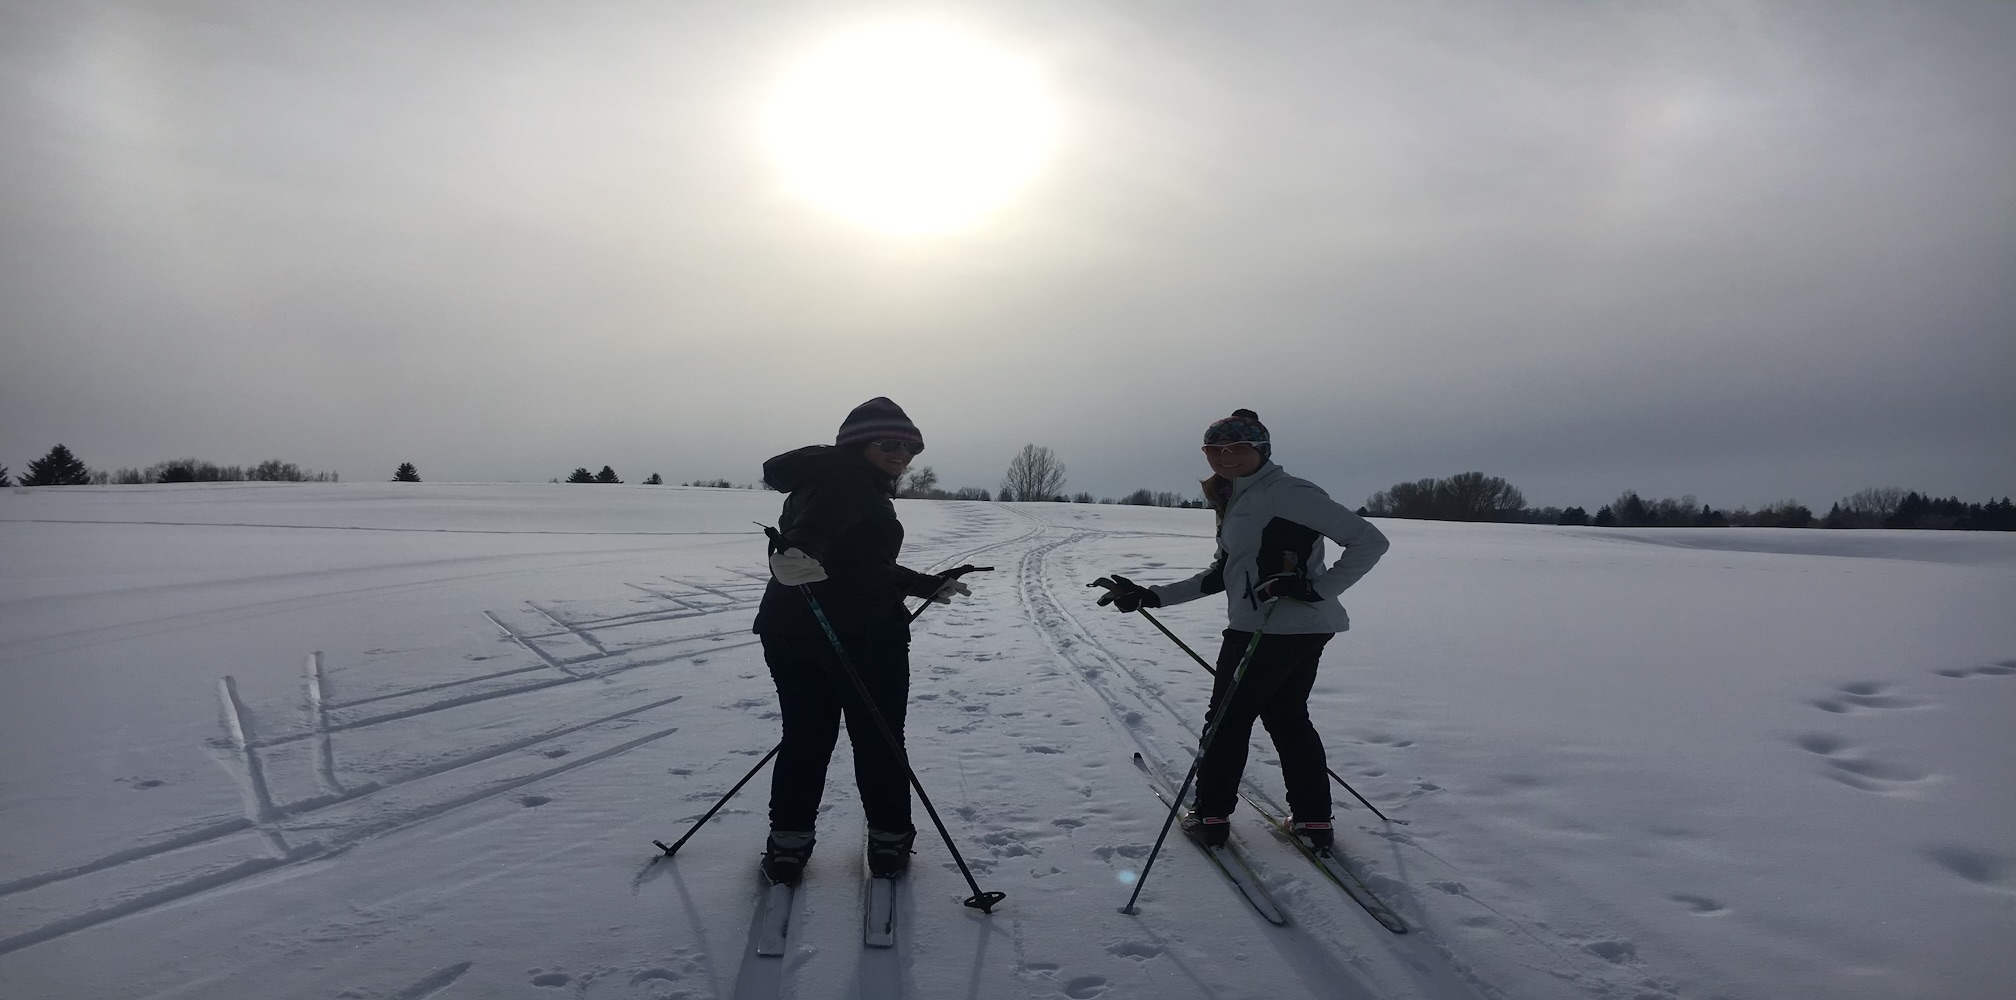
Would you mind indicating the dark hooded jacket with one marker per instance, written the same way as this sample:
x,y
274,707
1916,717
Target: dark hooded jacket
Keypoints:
x,y
838,510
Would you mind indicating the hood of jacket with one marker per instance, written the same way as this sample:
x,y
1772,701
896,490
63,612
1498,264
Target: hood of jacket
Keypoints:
x,y
793,470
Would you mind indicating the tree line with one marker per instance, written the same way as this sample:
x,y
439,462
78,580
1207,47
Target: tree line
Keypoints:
x,y
61,467
1474,496
1035,473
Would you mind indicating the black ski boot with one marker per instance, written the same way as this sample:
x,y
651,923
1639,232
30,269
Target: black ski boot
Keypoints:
x,y
1211,831
889,852
1316,833
785,855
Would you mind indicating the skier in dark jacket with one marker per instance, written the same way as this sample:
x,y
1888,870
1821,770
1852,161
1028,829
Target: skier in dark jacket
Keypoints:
x,y
1271,528
838,537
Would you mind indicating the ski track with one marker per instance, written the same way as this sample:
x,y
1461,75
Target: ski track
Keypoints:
x,y
294,832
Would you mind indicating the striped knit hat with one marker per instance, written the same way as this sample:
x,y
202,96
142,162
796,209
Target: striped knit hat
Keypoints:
x,y
1242,425
874,420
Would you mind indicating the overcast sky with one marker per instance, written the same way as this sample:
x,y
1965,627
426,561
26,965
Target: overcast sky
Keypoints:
x,y
1748,251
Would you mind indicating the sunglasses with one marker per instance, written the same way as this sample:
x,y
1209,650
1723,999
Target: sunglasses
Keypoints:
x,y
890,446
1227,449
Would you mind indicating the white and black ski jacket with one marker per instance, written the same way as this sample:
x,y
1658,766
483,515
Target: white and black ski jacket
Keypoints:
x,y
1274,523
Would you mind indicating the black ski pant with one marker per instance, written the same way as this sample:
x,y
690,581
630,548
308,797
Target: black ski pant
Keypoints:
x,y
1275,691
813,694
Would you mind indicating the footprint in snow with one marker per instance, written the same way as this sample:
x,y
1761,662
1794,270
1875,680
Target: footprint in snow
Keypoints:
x,y
2005,668
1701,905
1389,740
1006,844
551,980
1985,868
1865,773
1139,951
1085,987
1614,952
1862,695
647,975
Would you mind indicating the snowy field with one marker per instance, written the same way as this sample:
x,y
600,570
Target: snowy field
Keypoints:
x,y
392,742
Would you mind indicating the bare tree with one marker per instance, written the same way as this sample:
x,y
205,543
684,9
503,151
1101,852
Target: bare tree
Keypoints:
x,y
1034,474
1871,507
921,482
1418,499
1466,496
1474,496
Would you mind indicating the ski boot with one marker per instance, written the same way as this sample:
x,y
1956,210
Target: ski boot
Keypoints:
x,y
785,855
1211,831
889,852
1317,833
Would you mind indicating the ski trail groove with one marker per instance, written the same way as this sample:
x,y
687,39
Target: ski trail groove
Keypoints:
x,y
440,980
177,891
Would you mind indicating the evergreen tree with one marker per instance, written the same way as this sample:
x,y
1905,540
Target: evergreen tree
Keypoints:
x,y
1574,515
1710,518
4,481
1605,518
655,480
1631,511
58,468
581,475
607,475
406,474
1911,511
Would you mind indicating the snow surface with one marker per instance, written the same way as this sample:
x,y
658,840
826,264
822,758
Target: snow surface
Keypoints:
x,y
414,741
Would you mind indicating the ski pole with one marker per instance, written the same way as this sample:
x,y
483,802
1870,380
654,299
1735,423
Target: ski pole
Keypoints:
x,y
674,849
1180,644
980,900
1204,747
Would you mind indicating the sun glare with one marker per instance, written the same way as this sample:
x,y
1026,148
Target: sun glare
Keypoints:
x,y
911,129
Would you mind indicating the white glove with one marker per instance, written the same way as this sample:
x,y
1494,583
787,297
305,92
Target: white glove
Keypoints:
x,y
793,568
952,588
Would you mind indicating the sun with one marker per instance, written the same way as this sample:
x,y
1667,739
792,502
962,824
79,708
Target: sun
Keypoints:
x,y
910,128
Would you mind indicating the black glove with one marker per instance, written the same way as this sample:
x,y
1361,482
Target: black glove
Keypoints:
x,y
1289,585
1125,595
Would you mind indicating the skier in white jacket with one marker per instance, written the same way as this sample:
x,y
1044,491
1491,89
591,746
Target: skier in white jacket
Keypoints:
x,y
1271,532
